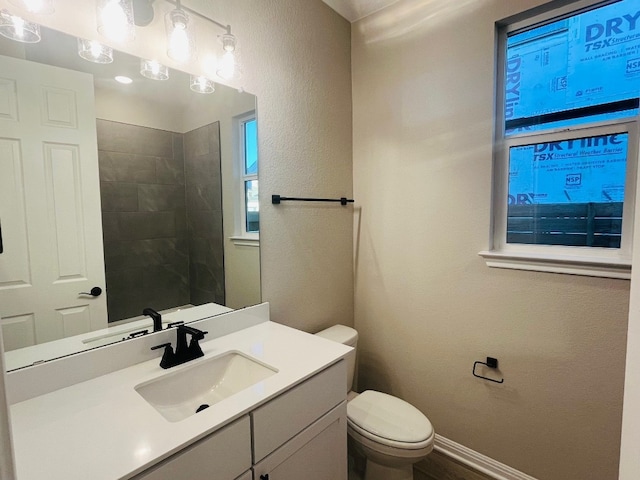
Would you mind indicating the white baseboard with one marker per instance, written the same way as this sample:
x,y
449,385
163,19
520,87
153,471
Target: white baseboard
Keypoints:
x,y
478,461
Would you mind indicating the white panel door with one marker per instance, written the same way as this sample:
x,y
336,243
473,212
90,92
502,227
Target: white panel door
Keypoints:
x,y
49,205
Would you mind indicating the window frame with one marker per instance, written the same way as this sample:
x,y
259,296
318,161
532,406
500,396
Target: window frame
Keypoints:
x,y
242,236
590,261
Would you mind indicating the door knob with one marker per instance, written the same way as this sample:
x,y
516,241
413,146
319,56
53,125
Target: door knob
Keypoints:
x,y
95,292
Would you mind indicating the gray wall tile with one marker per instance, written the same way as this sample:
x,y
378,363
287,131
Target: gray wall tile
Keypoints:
x,y
119,197
204,213
126,167
170,171
204,197
146,225
125,138
160,198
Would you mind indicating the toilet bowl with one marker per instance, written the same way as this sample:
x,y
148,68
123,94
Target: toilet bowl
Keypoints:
x,y
390,433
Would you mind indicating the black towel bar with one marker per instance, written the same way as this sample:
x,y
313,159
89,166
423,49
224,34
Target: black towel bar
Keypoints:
x,y
276,199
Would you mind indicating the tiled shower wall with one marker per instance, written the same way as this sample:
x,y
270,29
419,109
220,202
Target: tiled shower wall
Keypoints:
x,y
145,216
204,214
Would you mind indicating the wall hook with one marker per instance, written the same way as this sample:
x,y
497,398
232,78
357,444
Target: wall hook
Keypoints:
x,y
491,363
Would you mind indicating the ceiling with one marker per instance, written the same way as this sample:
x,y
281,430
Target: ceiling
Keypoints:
x,y
354,10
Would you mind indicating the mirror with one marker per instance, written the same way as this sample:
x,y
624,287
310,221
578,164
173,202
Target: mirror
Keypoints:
x,y
171,198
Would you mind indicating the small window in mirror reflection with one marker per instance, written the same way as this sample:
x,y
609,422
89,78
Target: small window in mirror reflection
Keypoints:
x,y
249,179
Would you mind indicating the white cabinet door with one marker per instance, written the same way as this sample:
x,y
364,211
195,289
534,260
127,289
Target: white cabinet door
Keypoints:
x,y
49,205
223,455
284,417
317,453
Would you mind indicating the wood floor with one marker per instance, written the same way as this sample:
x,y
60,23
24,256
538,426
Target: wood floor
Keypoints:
x,y
435,467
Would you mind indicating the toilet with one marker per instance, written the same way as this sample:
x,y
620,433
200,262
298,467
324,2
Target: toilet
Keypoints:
x,y
391,433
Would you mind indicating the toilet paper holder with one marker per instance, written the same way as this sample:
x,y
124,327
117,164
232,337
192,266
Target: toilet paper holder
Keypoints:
x,y
491,363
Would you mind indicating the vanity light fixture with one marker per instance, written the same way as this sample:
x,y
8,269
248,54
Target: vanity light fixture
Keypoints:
x,y
18,29
94,52
115,20
227,65
180,36
153,70
202,84
40,7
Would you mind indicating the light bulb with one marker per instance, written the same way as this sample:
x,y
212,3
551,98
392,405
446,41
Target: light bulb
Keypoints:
x,y
179,45
40,7
115,20
179,36
227,66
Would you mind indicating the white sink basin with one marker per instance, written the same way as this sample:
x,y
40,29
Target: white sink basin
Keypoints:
x,y
180,394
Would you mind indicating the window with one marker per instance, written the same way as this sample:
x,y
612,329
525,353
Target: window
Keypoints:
x,y
567,140
248,224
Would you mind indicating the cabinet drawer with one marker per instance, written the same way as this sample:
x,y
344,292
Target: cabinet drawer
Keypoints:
x,y
281,419
224,455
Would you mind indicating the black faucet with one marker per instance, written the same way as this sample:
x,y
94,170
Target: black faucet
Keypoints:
x,y
184,352
157,318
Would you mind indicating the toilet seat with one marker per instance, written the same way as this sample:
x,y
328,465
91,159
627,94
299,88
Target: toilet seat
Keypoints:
x,y
389,421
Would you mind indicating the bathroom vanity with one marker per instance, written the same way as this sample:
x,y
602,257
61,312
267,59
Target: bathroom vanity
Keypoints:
x,y
138,423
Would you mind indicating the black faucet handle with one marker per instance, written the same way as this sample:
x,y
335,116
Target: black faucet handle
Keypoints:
x,y
194,332
168,357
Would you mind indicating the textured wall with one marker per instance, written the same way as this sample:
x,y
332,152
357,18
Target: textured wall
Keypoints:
x,y
427,306
297,61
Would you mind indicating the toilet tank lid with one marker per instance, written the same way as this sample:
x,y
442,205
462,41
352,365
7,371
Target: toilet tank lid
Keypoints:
x,y
341,334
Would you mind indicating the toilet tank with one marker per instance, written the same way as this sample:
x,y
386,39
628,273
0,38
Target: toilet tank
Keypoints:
x,y
347,336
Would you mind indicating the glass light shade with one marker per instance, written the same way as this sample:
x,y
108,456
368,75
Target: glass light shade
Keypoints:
x,y
228,62
227,66
153,70
40,7
202,85
17,28
94,52
115,20
180,37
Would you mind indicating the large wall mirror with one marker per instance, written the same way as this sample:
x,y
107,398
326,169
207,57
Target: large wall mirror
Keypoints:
x,y
144,190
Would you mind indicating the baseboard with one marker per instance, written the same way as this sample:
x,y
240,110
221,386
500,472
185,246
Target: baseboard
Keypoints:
x,y
477,461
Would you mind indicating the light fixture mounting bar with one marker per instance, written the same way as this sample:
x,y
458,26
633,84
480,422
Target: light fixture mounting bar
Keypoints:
x,y
179,4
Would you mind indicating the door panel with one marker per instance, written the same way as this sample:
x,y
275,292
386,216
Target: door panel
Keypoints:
x,y
14,269
49,205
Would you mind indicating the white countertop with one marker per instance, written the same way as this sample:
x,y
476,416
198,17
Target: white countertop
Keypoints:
x,y
102,429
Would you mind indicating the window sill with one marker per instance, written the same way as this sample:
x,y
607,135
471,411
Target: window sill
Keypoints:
x,y
571,265
245,241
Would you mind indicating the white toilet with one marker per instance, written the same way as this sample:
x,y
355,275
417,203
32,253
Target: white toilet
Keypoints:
x,y
391,433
